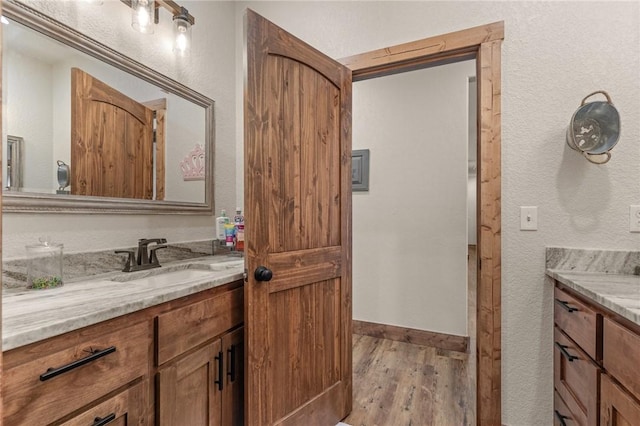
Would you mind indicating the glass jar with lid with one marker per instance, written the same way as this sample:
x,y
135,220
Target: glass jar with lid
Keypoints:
x,y
44,265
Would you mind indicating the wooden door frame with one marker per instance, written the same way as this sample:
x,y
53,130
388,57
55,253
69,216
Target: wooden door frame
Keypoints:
x,y
482,43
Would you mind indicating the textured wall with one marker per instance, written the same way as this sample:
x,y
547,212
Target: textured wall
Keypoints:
x,y
410,228
210,70
554,54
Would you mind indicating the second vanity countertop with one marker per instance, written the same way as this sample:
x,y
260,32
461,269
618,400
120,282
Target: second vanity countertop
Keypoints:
x,y
619,293
29,316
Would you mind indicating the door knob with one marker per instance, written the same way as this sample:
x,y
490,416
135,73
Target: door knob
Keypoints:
x,y
263,273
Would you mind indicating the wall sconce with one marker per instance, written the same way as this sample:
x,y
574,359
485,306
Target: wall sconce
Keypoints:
x,y
145,13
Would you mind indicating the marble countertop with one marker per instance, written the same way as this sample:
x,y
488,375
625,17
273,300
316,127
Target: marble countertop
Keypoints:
x,y
618,292
32,315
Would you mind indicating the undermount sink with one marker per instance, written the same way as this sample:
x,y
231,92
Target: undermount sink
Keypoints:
x,y
177,273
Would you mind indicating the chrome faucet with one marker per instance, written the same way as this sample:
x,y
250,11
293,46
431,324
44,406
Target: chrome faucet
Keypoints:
x,y
146,257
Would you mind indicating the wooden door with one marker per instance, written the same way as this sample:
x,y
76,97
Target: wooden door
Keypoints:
x,y
298,226
189,390
111,141
233,391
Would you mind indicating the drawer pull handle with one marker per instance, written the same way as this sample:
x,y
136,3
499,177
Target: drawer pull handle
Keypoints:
x,y
232,363
565,305
563,349
53,372
106,420
561,418
220,381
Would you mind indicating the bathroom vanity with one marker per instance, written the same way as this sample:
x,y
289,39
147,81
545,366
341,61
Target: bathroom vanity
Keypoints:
x,y
596,348
165,348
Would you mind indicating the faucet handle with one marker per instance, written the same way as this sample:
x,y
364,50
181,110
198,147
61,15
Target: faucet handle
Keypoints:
x,y
153,256
130,259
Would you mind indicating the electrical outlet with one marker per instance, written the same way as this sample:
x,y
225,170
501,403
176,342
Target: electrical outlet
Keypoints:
x,y
528,218
634,218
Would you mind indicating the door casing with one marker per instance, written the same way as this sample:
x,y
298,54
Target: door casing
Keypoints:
x,y
483,44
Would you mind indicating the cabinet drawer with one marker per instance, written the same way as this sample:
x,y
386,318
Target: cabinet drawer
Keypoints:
x,y
33,394
185,328
562,414
578,321
576,379
621,355
617,407
125,408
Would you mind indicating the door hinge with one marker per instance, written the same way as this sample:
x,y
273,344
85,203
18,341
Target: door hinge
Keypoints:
x,y
245,275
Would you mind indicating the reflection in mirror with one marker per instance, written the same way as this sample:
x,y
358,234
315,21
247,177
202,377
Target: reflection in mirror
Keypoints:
x,y
126,133
14,162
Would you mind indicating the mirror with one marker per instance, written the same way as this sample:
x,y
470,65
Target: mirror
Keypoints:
x,y
130,139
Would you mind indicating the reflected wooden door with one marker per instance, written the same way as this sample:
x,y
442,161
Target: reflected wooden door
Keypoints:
x,y
111,141
298,227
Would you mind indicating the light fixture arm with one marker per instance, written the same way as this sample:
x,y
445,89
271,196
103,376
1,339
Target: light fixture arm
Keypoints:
x,y
171,6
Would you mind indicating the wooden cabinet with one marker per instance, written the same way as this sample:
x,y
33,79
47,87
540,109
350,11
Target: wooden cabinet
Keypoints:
x,y
596,354
233,385
575,372
200,363
188,392
49,380
204,387
124,409
178,363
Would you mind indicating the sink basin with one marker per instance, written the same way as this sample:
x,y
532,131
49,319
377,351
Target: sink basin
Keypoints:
x,y
175,273
172,277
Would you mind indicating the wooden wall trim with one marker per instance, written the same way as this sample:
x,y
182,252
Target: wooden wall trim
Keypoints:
x,y
449,342
484,44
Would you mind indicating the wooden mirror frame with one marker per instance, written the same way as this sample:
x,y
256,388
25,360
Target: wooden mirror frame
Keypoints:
x,y
483,44
50,203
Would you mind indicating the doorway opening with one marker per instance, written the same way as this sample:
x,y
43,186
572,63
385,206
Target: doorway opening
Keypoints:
x,y
484,45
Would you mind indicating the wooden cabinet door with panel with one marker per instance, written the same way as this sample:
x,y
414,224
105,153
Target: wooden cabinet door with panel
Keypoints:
x,y
617,407
189,388
233,389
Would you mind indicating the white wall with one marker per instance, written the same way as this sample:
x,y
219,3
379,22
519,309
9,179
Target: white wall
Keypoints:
x,y
410,228
33,88
548,67
210,70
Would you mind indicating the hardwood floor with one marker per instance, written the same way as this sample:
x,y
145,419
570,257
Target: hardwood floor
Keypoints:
x,y
403,384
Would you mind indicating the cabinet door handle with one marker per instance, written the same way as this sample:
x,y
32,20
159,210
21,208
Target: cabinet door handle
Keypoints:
x,y
232,363
561,418
565,305
101,421
220,381
563,350
53,372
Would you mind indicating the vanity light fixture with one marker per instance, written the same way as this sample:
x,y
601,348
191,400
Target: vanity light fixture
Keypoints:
x,y
145,13
142,15
182,32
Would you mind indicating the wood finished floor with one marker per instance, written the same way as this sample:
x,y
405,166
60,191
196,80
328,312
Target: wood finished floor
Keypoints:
x,y
403,384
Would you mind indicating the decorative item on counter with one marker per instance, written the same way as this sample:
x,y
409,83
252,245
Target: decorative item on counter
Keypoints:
x,y
44,264
238,222
220,222
594,129
63,177
229,233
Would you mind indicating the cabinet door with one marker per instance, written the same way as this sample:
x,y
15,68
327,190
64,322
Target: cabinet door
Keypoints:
x,y
124,409
189,388
233,391
617,408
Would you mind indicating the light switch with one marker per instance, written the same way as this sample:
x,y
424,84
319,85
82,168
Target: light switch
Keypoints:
x,y
634,218
528,218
